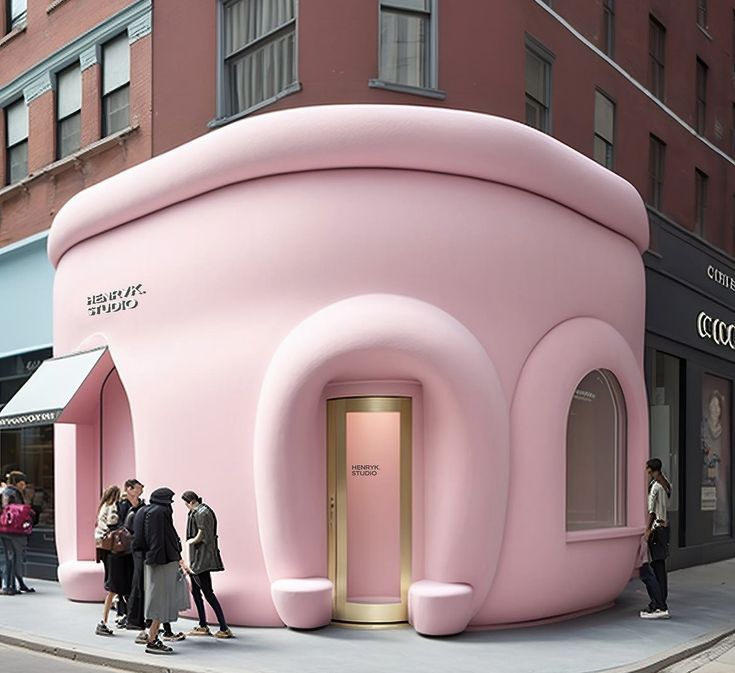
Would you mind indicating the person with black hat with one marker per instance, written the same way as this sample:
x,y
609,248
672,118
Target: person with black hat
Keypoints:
x,y
162,562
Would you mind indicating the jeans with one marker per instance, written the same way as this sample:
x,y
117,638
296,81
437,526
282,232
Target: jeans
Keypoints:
x,y
201,583
648,577
14,547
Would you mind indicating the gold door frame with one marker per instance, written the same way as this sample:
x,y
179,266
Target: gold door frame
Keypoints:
x,y
337,409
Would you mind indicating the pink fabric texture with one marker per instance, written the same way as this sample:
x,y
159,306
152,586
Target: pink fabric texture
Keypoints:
x,y
368,249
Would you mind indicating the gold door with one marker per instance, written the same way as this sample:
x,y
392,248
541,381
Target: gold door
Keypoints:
x,y
369,507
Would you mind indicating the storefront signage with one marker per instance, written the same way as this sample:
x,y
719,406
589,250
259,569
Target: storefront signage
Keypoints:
x,y
584,395
719,331
709,499
365,470
26,420
114,300
720,277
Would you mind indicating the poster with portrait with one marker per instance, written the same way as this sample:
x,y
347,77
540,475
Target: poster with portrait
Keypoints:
x,y
715,445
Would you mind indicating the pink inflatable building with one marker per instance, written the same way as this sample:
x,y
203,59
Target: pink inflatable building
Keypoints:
x,y
397,349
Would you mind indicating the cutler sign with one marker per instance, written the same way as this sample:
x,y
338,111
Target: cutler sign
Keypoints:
x,y
722,333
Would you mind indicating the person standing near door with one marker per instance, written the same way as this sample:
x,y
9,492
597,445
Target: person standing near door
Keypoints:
x,y
204,559
657,534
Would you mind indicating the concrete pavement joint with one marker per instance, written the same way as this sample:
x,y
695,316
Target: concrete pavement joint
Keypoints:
x,y
697,661
664,661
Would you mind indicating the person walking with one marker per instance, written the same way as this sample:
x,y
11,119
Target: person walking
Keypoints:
x,y
657,536
14,544
162,562
204,559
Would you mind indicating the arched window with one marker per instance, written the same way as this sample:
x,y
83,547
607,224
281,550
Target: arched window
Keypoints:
x,y
596,453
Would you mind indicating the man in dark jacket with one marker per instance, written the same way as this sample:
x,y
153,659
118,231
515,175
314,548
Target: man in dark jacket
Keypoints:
x,y
162,561
204,559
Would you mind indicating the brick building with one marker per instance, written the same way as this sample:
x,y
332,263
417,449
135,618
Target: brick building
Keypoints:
x,y
646,88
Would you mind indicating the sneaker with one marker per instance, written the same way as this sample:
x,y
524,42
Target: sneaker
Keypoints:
x,y
142,638
157,647
9,592
103,630
174,636
26,590
224,633
655,614
200,631
121,622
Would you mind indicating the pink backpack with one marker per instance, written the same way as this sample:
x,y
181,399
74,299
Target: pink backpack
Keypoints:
x,y
16,519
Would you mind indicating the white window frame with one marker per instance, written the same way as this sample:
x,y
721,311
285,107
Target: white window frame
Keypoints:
x,y
78,111
107,94
15,19
225,113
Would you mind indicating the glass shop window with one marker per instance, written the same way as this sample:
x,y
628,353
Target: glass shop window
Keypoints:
x,y
596,454
715,435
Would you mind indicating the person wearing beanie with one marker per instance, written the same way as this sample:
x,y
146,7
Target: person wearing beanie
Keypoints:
x,y
162,561
204,559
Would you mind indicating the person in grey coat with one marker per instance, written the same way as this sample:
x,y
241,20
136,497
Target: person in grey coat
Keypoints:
x,y
204,559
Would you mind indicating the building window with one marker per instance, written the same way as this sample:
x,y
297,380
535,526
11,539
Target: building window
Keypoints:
x,y
538,88
656,163
700,200
715,442
16,132
596,454
259,48
702,13
701,111
115,85
406,49
68,111
608,27
657,57
604,130
16,13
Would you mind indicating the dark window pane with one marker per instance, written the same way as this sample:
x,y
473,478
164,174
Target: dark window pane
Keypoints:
x,y
69,134
116,114
17,162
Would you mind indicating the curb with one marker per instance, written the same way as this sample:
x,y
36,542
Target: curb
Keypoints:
x,y
675,655
96,658
24,640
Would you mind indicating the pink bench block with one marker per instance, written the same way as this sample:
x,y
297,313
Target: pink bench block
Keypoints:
x,y
303,603
439,608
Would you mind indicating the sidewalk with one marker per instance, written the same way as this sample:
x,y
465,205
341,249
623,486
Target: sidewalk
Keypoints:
x,y
702,602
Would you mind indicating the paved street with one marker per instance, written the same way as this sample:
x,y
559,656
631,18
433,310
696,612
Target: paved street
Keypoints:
x,y
701,600
21,660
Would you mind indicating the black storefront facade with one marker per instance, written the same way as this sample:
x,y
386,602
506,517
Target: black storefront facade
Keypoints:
x,y
690,375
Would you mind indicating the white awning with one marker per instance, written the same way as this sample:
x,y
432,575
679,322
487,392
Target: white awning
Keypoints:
x,y
65,389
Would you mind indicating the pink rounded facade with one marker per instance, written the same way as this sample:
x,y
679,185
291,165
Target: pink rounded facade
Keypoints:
x,y
357,332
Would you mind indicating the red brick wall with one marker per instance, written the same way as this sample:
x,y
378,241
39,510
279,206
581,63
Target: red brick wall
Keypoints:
x,y
31,209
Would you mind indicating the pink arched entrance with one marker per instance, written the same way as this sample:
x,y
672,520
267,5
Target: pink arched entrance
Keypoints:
x,y
465,454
